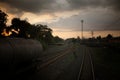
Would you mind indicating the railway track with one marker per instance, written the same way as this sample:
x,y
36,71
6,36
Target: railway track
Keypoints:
x,y
86,70
48,61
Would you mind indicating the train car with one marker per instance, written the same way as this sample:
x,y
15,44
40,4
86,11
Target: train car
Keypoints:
x,y
18,55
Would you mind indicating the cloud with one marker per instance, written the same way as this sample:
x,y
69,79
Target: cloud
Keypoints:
x,y
67,13
94,19
35,6
77,4
81,4
51,6
29,5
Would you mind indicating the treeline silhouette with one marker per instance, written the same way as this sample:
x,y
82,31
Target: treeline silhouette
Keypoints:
x,y
109,41
23,29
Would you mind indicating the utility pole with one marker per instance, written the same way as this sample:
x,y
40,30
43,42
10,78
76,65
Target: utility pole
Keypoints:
x,y
82,29
92,34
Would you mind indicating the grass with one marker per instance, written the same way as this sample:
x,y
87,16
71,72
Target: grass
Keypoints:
x,y
106,63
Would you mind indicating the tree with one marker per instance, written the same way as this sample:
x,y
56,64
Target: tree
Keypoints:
x,y
3,20
21,26
57,39
109,36
41,32
99,38
23,29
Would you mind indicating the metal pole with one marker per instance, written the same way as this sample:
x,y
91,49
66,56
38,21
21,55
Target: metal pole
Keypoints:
x,y
82,29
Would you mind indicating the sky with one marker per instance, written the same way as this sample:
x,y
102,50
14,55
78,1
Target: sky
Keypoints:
x,y
64,16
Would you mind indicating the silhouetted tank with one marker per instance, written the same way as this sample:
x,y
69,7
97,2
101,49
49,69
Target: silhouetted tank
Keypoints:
x,y
18,55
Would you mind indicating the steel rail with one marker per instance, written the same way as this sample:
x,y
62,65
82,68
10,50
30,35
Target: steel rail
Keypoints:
x,y
81,67
86,53
93,73
54,58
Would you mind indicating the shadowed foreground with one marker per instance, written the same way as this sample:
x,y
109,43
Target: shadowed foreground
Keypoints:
x,y
18,55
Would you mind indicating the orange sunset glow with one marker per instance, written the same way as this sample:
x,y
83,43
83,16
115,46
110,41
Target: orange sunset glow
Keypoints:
x,y
86,34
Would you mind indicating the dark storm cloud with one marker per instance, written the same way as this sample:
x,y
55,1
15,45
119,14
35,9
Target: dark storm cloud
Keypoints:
x,y
78,4
93,20
36,6
83,3
28,5
115,4
50,6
